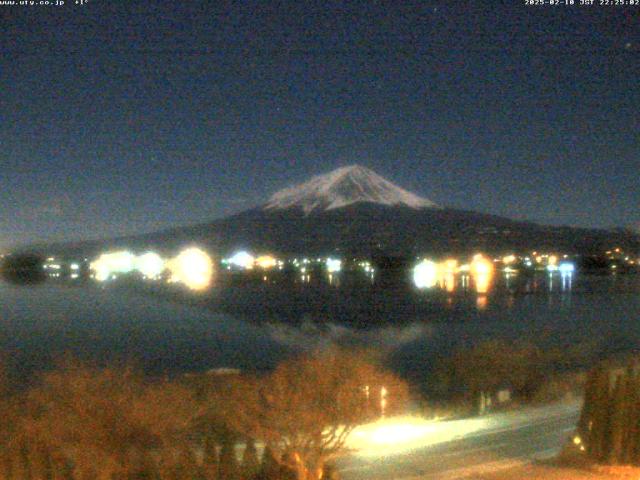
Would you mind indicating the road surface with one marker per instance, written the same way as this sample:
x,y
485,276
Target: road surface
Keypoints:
x,y
408,449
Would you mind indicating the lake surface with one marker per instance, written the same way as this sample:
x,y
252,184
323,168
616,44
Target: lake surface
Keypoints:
x,y
38,324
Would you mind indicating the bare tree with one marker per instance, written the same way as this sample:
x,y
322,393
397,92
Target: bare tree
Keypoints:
x,y
306,409
106,424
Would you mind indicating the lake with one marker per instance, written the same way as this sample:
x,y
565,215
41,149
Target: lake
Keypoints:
x,y
38,324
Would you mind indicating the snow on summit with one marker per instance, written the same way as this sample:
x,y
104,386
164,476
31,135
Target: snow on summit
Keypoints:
x,y
342,187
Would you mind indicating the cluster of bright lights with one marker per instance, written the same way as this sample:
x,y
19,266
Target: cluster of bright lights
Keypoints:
x,y
192,267
429,274
109,265
334,265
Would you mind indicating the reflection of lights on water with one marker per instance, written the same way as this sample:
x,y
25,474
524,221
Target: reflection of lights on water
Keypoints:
x,y
448,281
566,270
447,271
425,274
481,302
482,273
193,268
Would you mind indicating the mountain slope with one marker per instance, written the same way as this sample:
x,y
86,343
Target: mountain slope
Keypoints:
x,y
353,210
342,187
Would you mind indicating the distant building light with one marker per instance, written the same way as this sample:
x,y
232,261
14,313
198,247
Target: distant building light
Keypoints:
x,y
334,265
242,259
266,262
566,268
508,259
425,274
150,264
193,268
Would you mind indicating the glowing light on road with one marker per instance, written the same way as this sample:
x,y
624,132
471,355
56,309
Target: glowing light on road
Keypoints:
x,y
266,262
242,259
397,435
425,274
334,265
192,267
150,264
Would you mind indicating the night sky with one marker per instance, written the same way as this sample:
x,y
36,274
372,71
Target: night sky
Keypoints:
x,y
121,117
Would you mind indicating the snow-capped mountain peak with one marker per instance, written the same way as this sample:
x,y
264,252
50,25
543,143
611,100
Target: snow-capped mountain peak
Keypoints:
x,y
342,187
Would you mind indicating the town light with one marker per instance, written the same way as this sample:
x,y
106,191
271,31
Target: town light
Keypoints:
x,y
425,274
192,267
108,265
266,262
150,264
242,259
334,265
566,268
509,259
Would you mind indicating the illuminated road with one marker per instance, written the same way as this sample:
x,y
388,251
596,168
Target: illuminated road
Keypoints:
x,y
459,449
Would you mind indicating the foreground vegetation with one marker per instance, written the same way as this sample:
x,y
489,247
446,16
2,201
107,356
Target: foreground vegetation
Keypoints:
x,y
86,422
610,422
80,422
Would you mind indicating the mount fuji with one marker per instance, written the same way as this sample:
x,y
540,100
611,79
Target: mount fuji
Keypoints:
x,y
355,211
342,187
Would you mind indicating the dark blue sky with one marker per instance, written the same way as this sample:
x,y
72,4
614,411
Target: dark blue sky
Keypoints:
x,y
120,117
